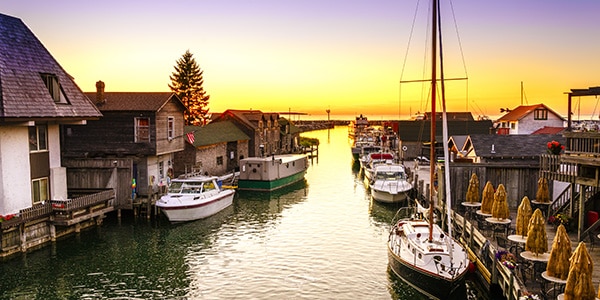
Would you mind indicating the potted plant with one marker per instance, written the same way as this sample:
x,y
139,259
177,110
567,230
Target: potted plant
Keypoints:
x,y
555,148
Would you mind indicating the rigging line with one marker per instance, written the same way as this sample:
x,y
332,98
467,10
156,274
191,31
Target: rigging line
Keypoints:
x,y
412,30
596,106
458,38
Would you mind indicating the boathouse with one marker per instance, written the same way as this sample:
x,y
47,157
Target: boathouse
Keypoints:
x,y
131,148
38,97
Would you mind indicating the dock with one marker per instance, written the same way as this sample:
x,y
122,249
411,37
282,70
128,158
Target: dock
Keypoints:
x,y
482,243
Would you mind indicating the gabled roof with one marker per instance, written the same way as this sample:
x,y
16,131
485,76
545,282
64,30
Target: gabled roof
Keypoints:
x,y
549,130
511,145
249,118
23,93
133,101
457,141
293,128
522,111
216,132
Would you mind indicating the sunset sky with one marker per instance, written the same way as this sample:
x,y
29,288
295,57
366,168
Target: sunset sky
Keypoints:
x,y
344,55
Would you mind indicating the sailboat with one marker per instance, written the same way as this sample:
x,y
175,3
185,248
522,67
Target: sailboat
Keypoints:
x,y
419,251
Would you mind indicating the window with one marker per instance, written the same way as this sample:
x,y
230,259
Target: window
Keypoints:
x,y
39,190
513,125
51,82
38,138
170,128
142,130
161,170
220,161
540,114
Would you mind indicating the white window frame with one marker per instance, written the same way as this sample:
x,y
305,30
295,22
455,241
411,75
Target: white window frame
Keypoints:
x,y
38,138
40,190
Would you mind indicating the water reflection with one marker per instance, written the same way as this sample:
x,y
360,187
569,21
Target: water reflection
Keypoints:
x,y
319,239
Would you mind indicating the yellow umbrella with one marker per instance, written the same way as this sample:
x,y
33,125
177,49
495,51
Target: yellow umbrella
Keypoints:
x,y
579,282
558,264
523,215
500,206
487,198
473,190
537,240
542,195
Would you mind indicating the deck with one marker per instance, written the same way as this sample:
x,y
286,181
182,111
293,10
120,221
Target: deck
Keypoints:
x,y
524,278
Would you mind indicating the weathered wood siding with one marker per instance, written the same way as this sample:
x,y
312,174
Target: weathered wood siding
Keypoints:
x,y
519,181
163,144
100,174
111,136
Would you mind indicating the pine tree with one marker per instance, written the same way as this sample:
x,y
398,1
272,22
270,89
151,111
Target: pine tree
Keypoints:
x,y
186,83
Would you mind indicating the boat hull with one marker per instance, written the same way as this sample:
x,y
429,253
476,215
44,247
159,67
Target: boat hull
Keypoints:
x,y
269,185
271,173
387,197
425,282
201,210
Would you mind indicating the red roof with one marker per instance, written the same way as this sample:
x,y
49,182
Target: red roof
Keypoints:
x,y
549,130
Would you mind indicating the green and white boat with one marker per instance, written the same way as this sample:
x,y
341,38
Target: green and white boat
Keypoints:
x,y
271,172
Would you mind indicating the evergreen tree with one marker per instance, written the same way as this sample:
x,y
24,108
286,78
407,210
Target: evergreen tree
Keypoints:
x,y
186,83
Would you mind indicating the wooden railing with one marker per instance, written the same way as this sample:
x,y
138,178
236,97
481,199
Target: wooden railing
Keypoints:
x,y
83,201
552,168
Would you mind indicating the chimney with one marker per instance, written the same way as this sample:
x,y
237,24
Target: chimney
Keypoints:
x,y
100,99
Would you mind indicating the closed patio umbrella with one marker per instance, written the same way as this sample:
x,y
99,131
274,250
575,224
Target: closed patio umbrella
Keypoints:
x,y
487,198
500,206
542,195
537,240
523,215
558,264
579,282
473,189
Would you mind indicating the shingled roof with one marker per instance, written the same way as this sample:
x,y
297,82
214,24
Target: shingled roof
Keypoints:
x,y
522,111
215,132
132,101
23,93
511,145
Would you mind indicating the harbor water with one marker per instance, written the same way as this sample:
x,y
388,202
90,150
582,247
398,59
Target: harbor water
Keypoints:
x,y
319,239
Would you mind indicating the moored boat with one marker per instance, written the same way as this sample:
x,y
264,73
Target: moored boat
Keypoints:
x,y
389,183
194,198
430,261
271,172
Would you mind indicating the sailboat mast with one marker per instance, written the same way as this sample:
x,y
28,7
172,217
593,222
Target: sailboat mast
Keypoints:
x,y
432,156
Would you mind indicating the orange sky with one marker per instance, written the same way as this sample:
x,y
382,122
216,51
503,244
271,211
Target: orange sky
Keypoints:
x,y
311,55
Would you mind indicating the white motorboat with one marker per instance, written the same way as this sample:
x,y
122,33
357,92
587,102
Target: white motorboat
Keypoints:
x,y
389,183
195,198
373,160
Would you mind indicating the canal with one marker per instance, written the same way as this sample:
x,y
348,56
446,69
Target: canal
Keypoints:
x,y
323,239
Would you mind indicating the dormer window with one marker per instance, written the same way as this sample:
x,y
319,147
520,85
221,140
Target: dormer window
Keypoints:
x,y
540,114
51,82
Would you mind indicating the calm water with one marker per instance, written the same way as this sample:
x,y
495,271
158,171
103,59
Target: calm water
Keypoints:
x,y
319,240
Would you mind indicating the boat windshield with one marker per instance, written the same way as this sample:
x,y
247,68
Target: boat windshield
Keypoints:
x,y
391,175
187,187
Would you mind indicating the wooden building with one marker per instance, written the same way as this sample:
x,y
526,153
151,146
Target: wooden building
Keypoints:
x,y
140,133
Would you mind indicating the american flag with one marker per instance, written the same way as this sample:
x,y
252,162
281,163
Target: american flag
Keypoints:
x,y
190,137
